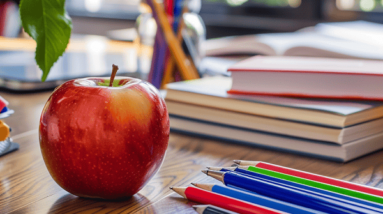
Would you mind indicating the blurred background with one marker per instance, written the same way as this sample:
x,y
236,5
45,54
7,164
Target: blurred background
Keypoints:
x,y
228,17
123,32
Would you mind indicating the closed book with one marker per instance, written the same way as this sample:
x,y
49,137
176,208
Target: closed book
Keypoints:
x,y
340,153
308,77
275,126
212,93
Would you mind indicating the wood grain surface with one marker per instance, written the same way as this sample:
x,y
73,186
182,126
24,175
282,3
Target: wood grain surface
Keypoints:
x,y
27,187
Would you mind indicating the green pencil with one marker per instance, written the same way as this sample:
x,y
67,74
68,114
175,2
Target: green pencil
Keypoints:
x,y
311,183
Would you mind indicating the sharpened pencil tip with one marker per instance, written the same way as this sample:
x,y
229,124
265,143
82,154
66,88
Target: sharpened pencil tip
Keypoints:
x,y
171,188
204,171
194,184
195,208
237,161
208,167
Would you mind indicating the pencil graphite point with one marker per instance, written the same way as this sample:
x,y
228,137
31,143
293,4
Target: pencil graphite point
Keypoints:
x,y
199,208
204,171
194,184
171,188
237,161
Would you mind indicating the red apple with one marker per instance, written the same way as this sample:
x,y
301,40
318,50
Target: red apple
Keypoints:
x,y
104,142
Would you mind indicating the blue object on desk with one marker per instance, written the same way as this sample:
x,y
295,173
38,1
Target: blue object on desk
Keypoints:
x,y
5,109
292,195
261,200
5,114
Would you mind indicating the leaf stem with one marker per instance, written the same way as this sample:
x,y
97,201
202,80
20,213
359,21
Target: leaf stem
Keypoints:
x,y
114,72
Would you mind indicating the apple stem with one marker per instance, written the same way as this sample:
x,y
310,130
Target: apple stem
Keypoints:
x,y
114,72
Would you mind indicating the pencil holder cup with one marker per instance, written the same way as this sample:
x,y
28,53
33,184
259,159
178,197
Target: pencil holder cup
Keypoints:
x,y
146,28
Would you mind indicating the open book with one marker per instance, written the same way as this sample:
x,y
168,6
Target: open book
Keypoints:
x,y
324,40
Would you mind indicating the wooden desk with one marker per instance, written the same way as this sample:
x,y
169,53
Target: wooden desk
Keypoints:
x,y
27,187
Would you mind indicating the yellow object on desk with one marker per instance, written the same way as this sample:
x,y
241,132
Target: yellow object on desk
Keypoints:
x,y
4,131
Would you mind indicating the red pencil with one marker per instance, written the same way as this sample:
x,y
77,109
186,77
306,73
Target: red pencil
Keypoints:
x,y
232,204
311,176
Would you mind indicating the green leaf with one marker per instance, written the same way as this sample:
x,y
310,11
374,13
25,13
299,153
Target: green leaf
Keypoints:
x,y
47,22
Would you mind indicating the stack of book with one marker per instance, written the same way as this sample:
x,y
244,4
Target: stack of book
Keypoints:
x,y
240,112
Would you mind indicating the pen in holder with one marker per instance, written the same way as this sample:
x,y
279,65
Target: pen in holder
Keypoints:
x,y
169,61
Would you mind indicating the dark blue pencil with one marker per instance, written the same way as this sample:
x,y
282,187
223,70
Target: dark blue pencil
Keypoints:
x,y
178,5
356,201
158,62
255,199
154,60
287,193
159,67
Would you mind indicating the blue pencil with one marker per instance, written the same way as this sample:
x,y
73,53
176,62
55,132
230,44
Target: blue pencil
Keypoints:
x,y
255,199
286,193
332,195
160,64
178,4
154,60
